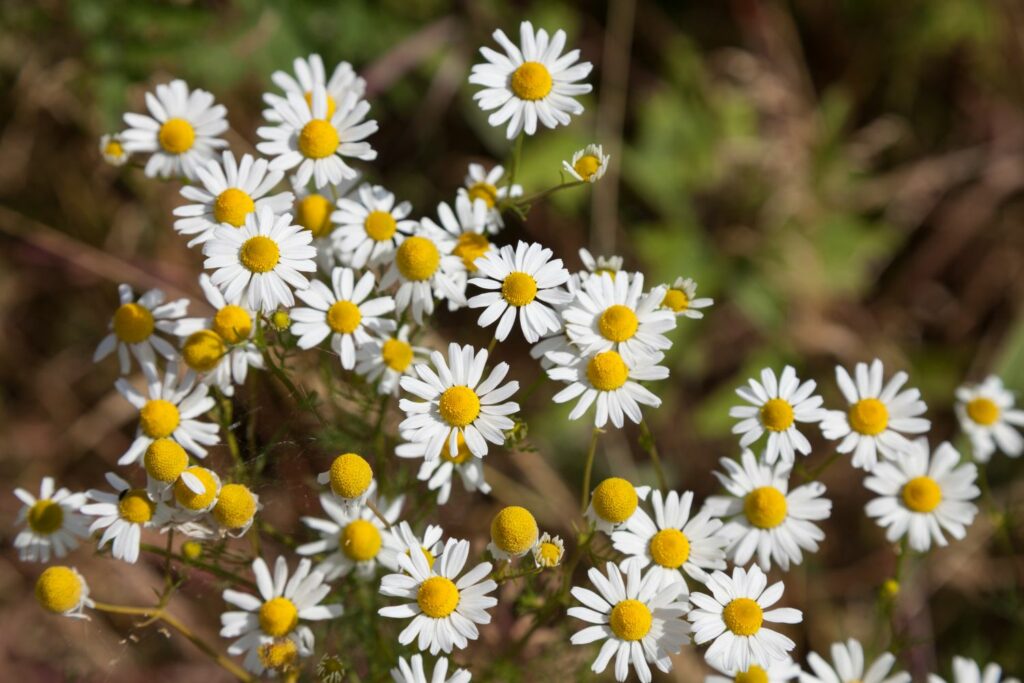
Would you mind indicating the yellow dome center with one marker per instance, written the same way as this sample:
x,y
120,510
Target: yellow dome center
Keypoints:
x,y
192,550
235,506
203,350
869,416
233,323
165,460
922,494
176,136
380,226
114,149
136,507
531,81
360,540
754,674
518,289
278,616
45,517
189,499
318,139
676,300
232,206
586,166
280,320
396,354
344,317
332,106
743,616
765,507
417,258
313,212
469,247
776,415
984,411
618,323
607,371
615,500
459,406
350,475
437,597
259,254
514,530
485,191
278,654
159,418
59,589
133,323
463,453
670,548
631,620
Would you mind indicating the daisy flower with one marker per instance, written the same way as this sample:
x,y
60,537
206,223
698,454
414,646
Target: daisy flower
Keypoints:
x,y
987,415
613,503
259,263
733,616
468,226
549,551
412,672
196,492
681,299
134,328
766,517
778,671
424,267
673,542
920,495
313,209
227,192
350,479
123,514
180,132
776,405
456,401
967,671
63,591
601,264
53,522
317,141
353,537
531,82
487,186
614,314
400,538
170,412
310,72
514,533
388,358
606,378
235,509
439,471
342,311
370,227
848,667
444,608
524,281
277,614
878,417
112,149
639,620
588,165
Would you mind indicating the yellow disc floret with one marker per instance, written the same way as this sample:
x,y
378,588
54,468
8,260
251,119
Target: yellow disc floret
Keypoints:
x,y
586,166
670,548
360,541
233,323
350,475
189,499
776,415
469,247
615,500
232,206
236,506
278,616
765,507
417,259
531,81
318,139
313,212
676,300
159,418
754,674
922,494
133,323
984,411
279,654
176,136
45,517
113,149
165,460
463,453
485,191
607,371
136,507
259,254
630,620
344,317
203,350
380,226
514,530
869,416
617,323
192,550
396,354
437,597
743,616
518,289
459,406
59,589
549,554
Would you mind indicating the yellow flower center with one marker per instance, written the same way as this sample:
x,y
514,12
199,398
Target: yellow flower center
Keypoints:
x,y
235,506
676,300
279,654
984,411
114,149
459,406
426,554
776,415
417,258
396,354
203,350
165,460
518,289
485,191
313,212
607,371
280,320
869,416
136,507
630,620
233,323
380,226
45,517
176,136
743,616
471,246
59,589
670,548
615,500
318,139
133,323
754,674
332,106
192,550
514,530
618,323
278,616
531,81
549,554
765,507
232,206
159,418
437,597
463,453
350,475
189,499
259,254
344,317
890,588
922,494
586,166
360,541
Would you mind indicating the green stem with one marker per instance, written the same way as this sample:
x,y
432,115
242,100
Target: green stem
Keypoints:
x,y
225,413
648,444
199,564
490,347
516,158
587,468
304,399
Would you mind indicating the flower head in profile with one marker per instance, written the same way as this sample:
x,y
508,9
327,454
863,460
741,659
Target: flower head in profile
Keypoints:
x,y
351,480
412,671
488,187
613,503
135,330
588,165
308,73
123,514
370,226
988,416
112,150
777,404
848,666
968,671
681,299
514,533
598,265
53,522
62,590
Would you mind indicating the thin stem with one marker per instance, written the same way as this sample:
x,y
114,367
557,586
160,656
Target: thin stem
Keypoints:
x,y
651,448
490,347
225,413
517,574
587,468
199,564
517,155
526,201
376,511
303,398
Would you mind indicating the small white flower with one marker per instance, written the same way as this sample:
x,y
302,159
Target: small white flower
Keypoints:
x,y
400,538
112,149
438,472
549,551
351,480
134,328
588,165
124,514
681,299
413,672
310,72
967,671
354,539
53,522
371,227
468,226
63,591
987,415
848,666
388,358
777,404
424,267
600,264
487,186
614,502
778,671
514,533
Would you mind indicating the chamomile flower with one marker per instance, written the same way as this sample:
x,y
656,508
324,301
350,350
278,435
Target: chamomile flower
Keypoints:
x,y
62,590
316,141
180,132
112,149
968,671
445,609
532,82
607,379
681,299
734,616
922,495
468,226
487,187
673,542
310,72
524,282
424,267
53,522
613,502
313,210
385,359
588,165
195,493
878,417
235,509
766,517
439,471
640,621
350,479
170,411
258,264
848,667
549,551
400,538
412,671
514,533
342,311
456,401
614,314
597,265
370,226
164,462
352,538
777,404
987,415
277,614
227,192
778,671
124,514
135,326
